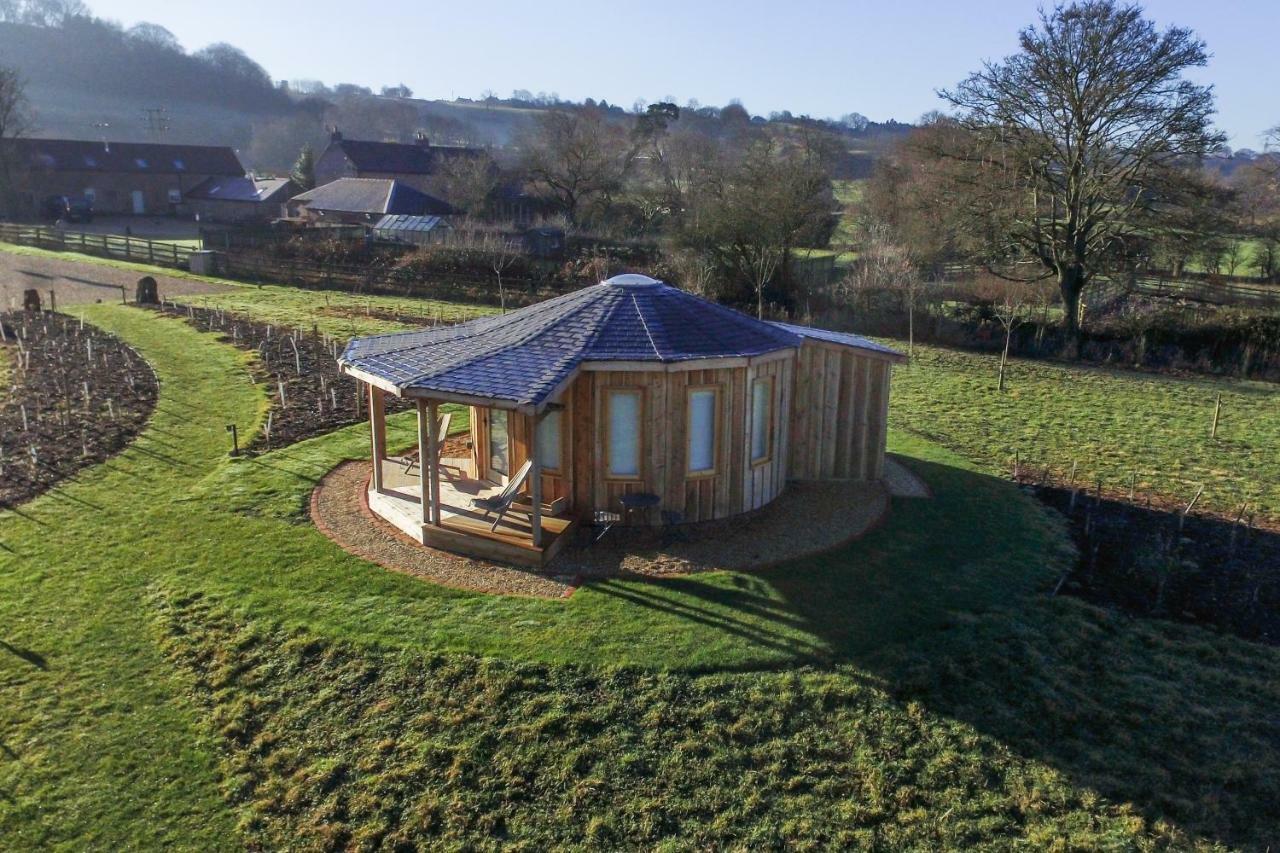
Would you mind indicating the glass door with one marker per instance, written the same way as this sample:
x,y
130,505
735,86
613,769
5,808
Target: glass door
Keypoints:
x,y
499,446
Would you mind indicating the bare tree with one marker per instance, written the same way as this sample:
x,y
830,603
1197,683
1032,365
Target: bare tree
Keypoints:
x,y
468,182
577,157
15,122
1075,139
884,266
502,253
1011,303
749,213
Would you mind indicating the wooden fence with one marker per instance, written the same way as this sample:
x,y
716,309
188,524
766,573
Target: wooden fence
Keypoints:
x,y
157,252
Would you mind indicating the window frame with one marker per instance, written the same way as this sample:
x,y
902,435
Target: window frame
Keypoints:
x,y
639,394
689,472
767,457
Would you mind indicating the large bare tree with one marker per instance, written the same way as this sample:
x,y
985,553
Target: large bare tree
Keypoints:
x,y
577,157
1079,141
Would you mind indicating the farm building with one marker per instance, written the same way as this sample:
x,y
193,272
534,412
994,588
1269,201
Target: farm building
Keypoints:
x,y
419,164
117,177
240,199
363,201
629,397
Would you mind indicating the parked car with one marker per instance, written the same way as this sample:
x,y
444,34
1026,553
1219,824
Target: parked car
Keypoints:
x,y
68,208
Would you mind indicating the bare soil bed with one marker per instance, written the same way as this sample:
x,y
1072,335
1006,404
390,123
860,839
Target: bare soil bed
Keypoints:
x,y
1148,560
300,371
76,396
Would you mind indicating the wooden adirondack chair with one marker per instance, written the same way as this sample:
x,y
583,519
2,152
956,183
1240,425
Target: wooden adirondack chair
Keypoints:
x,y
411,459
502,501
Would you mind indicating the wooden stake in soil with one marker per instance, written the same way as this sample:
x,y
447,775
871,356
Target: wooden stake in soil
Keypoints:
x,y
1182,519
1217,413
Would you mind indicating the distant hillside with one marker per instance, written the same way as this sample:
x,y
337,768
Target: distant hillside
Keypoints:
x,y
88,78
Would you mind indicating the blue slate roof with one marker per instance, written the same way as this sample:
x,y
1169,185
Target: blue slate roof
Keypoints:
x,y
373,196
522,357
842,338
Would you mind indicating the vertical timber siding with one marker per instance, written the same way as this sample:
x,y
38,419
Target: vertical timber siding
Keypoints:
x,y
840,417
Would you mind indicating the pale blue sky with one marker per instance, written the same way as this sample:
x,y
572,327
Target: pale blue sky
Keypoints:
x,y
882,59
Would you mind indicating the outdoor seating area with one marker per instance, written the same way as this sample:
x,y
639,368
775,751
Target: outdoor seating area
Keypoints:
x,y
464,519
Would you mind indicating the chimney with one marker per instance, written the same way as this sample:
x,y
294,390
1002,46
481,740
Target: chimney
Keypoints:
x,y
421,138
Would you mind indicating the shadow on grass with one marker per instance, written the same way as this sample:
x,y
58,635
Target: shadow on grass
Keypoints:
x,y
947,606
34,658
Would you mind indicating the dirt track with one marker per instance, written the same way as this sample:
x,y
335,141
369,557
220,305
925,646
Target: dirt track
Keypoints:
x,y
78,281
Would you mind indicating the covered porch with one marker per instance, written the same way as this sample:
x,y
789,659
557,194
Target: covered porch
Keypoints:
x,y
529,530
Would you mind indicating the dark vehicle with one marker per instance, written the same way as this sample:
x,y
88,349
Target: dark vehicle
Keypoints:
x,y
68,209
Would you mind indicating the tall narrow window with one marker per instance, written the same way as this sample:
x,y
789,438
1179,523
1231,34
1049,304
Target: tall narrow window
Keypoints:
x,y
761,419
549,442
623,451
702,430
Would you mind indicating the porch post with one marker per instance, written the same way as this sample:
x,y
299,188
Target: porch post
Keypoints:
x,y
378,429
433,441
426,458
535,483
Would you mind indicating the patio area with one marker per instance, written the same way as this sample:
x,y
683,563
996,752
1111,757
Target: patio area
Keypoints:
x,y
462,527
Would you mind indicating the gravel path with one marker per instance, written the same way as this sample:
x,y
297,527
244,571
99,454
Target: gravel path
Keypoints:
x,y
807,519
903,482
75,280
829,514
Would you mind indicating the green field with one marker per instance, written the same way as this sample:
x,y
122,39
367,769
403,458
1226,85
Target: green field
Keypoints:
x,y
1127,427
187,662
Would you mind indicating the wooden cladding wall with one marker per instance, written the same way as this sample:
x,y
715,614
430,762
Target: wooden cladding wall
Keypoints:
x,y
840,418
733,486
555,484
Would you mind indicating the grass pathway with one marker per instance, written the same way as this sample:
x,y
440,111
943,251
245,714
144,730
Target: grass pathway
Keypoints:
x,y
97,751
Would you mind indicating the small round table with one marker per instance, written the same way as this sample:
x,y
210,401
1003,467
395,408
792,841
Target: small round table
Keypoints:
x,y
638,502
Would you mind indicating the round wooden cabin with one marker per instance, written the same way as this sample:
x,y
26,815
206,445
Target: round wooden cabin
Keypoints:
x,y
628,388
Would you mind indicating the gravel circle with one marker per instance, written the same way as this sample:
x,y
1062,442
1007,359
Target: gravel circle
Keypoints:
x,y
829,514
340,510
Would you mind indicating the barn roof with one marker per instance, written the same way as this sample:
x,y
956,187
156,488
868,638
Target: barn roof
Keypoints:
x,y
80,155
523,357
399,157
241,188
373,196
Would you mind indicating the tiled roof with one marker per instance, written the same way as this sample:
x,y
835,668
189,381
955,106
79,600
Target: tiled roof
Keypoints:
x,y
523,356
372,195
241,189
842,338
78,155
398,157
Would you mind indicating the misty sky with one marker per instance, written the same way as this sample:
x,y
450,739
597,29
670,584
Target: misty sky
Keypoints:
x,y
882,59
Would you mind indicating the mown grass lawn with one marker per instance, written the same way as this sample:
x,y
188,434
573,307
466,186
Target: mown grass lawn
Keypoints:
x,y
188,663
1112,423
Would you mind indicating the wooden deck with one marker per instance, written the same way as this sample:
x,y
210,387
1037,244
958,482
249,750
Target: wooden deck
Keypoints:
x,y
462,529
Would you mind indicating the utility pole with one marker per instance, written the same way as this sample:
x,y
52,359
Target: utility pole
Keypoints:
x,y
156,121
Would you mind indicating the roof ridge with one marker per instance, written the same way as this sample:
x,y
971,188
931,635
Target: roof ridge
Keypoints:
x,y
644,324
